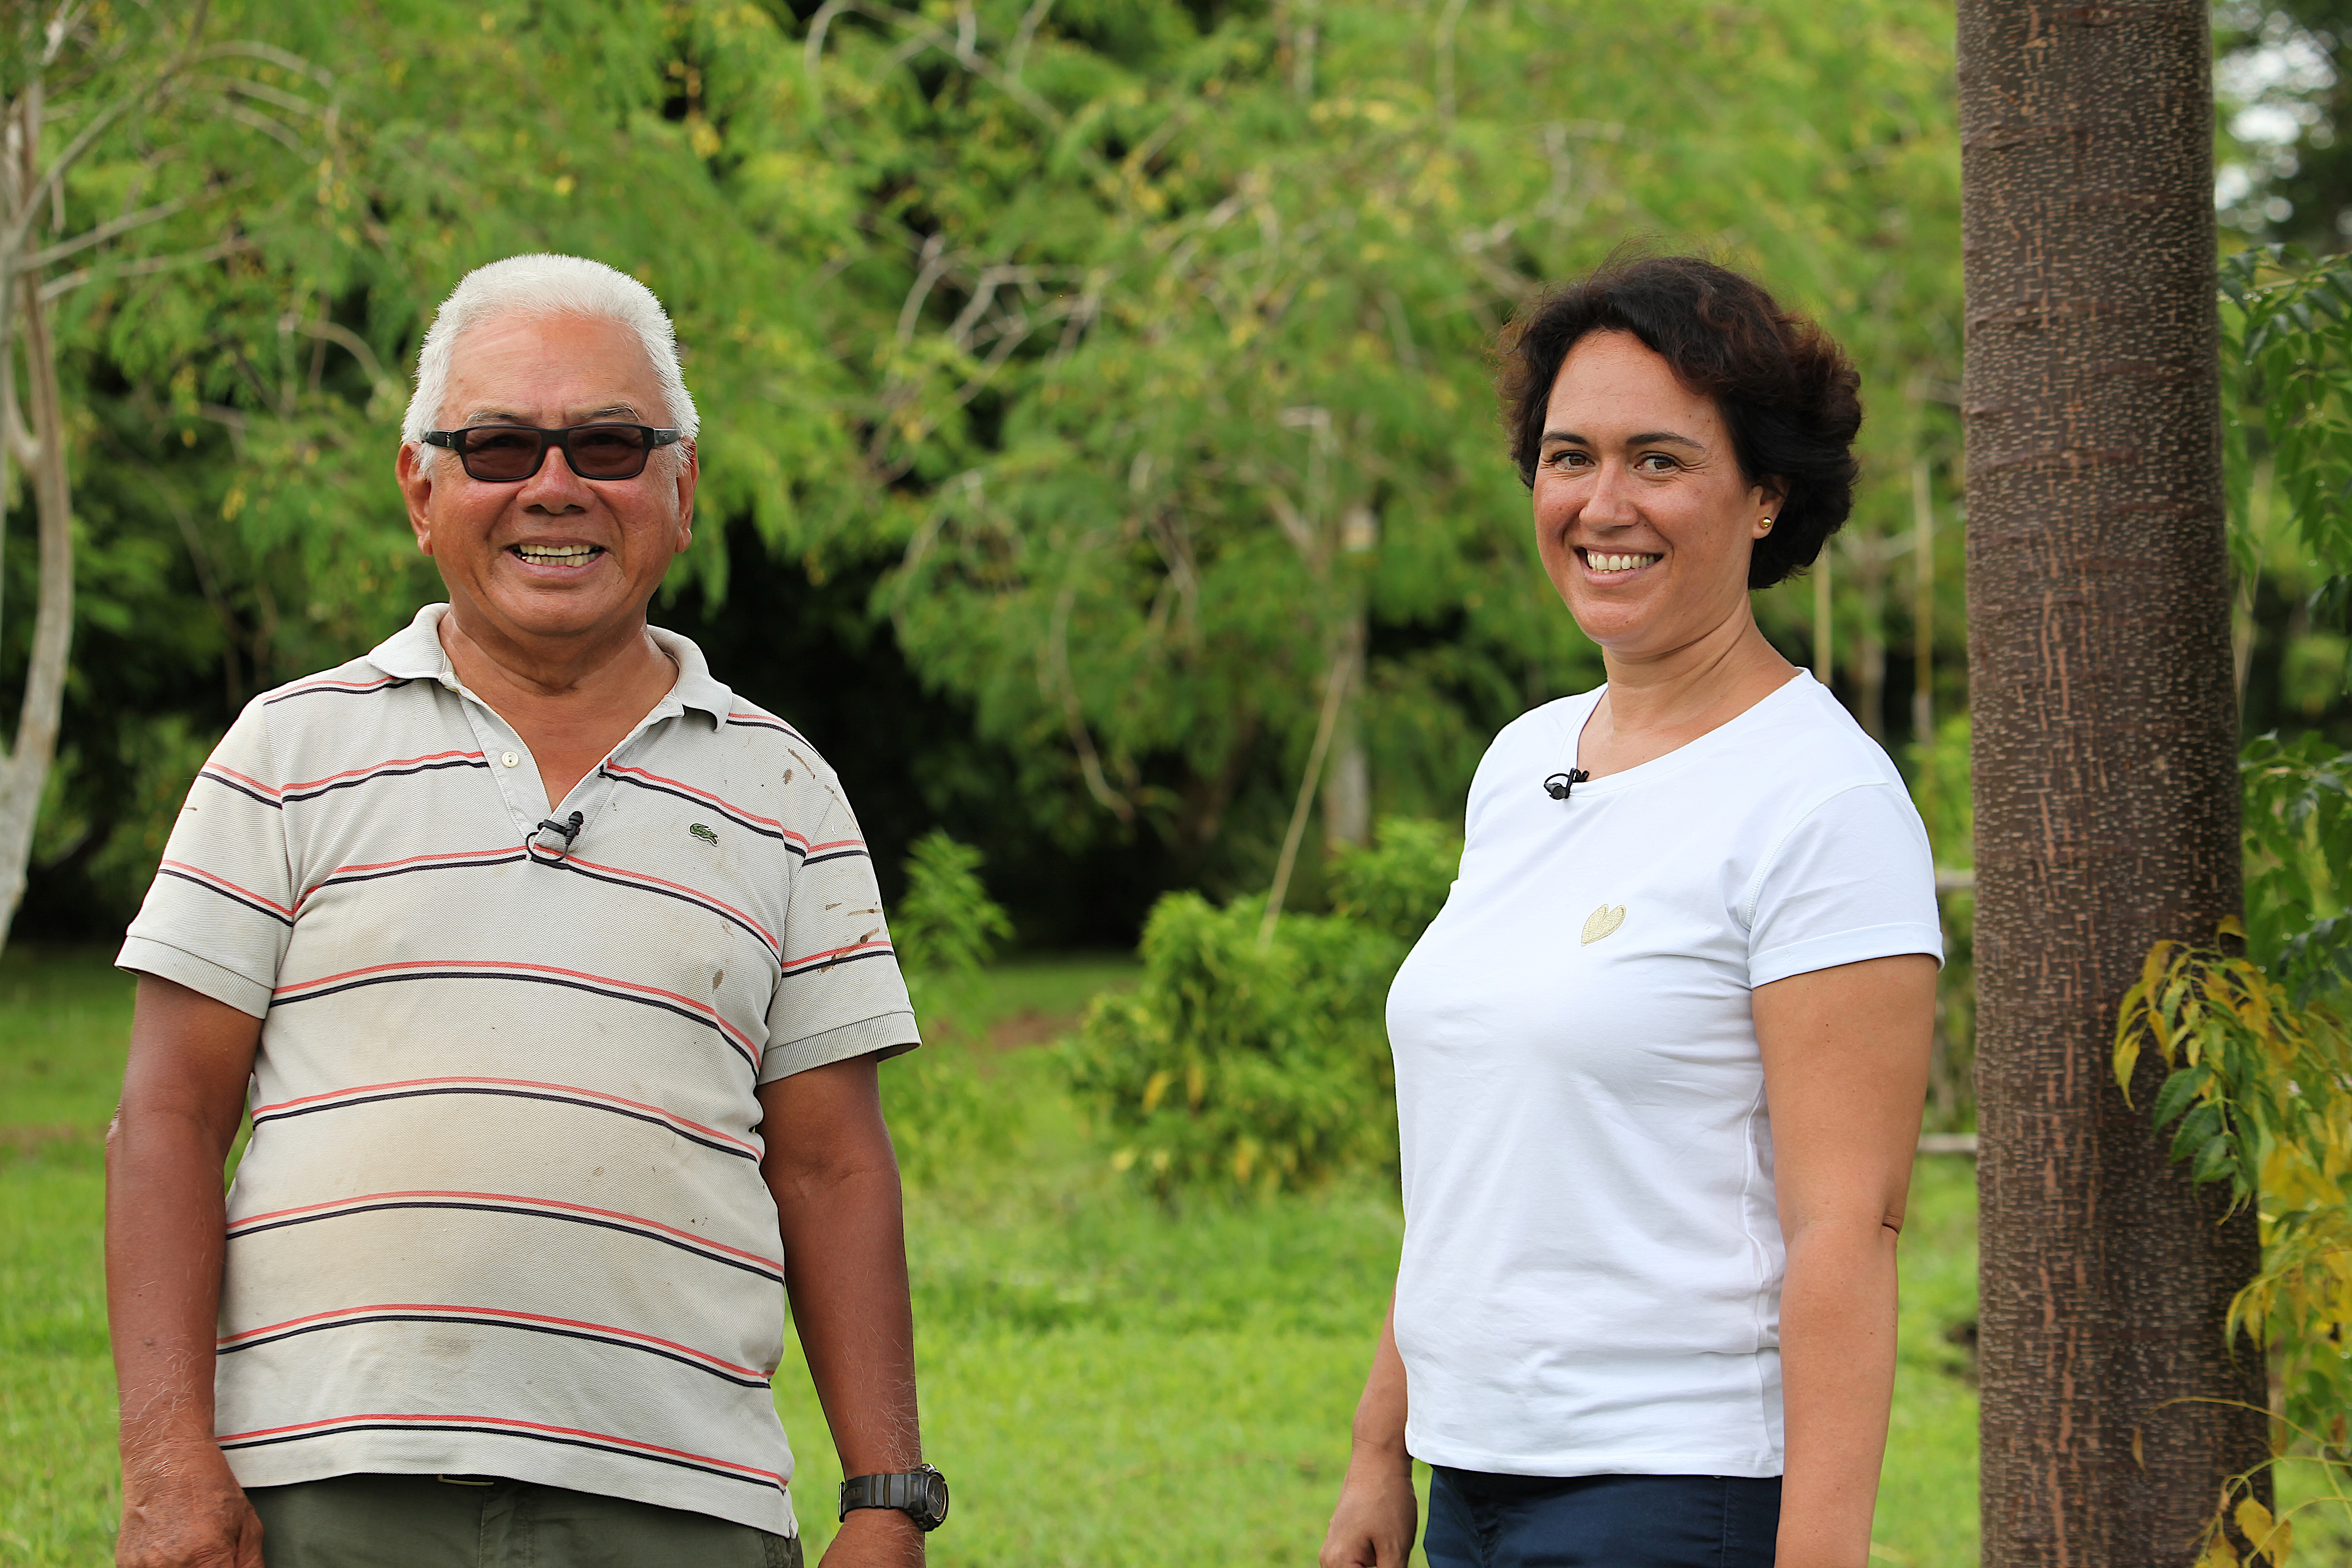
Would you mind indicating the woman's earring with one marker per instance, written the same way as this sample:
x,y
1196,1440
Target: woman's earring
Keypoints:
x,y
1768,525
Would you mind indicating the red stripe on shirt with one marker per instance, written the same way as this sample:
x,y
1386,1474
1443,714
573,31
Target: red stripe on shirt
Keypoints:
x,y
201,875
226,1341
855,948
379,767
699,895
368,1088
704,794
492,970
364,1199
272,791
495,1423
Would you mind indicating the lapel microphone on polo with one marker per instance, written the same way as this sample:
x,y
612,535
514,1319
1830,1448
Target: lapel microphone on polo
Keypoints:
x,y
1557,786
569,828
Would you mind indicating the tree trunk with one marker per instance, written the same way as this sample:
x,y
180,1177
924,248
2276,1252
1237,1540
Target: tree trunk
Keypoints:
x,y
2105,758
25,769
1348,784
1869,552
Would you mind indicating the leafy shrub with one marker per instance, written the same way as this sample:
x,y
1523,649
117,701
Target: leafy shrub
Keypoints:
x,y
945,930
1238,1064
2260,1088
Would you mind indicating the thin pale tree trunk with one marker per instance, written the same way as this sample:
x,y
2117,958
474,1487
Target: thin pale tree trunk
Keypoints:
x,y
1348,782
2105,761
24,767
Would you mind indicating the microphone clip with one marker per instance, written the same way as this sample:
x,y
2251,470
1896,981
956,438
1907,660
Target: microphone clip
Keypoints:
x,y
569,828
1558,785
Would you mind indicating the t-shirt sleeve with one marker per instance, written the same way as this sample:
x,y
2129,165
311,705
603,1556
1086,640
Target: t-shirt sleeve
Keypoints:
x,y
1853,879
840,993
218,914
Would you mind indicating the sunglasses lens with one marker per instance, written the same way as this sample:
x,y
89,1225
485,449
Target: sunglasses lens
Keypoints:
x,y
608,451
492,453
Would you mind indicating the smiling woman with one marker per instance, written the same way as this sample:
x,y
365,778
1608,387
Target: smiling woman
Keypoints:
x,y
1660,1059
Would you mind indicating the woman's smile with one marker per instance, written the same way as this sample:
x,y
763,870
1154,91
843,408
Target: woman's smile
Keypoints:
x,y
1615,565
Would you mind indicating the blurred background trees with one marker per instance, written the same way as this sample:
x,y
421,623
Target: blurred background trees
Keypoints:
x,y
1093,387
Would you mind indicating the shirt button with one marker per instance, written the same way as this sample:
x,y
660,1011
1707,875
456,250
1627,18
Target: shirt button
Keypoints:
x,y
508,760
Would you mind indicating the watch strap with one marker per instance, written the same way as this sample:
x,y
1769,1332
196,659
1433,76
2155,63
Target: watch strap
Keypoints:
x,y
914,1493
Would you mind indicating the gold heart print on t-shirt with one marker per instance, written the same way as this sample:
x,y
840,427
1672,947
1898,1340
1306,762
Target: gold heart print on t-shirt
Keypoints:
x,y
1602,921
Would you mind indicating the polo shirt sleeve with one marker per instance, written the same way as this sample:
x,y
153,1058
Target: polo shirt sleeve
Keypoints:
x,y
218,914
839,993
1853,879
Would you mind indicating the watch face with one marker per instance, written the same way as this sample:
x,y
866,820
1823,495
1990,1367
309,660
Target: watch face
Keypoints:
x,y
935,1501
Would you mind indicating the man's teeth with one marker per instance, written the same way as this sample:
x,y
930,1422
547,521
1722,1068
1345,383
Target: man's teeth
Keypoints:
x,y
1601,563
557,554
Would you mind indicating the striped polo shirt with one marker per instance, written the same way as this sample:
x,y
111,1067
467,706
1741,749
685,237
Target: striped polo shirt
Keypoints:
x,y
502,1211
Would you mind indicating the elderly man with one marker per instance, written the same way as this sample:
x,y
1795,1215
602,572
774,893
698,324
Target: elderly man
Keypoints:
x,y
560,979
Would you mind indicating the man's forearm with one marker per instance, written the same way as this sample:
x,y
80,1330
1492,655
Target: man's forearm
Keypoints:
x,y
165,1235
1837,1370
846,1272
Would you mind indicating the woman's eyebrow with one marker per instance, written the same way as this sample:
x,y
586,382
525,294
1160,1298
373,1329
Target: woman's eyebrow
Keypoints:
x,y
1644,439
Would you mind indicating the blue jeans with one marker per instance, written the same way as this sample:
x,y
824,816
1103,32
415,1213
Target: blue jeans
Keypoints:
x,y
1478,1520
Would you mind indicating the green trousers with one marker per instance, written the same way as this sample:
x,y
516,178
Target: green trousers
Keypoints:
x,y
479,1521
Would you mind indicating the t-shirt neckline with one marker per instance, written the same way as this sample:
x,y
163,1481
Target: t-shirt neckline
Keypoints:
x,y
1691,751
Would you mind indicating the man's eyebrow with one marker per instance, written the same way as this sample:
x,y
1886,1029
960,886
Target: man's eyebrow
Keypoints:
x,y
501,416
1644,439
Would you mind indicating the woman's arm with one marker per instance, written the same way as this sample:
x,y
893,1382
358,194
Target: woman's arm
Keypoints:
x,y
1846,1073
1373,1525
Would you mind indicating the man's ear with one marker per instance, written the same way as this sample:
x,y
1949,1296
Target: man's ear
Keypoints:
x,y
416,488
689,475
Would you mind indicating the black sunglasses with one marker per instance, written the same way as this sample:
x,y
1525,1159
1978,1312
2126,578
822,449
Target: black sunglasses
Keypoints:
x,y
506,454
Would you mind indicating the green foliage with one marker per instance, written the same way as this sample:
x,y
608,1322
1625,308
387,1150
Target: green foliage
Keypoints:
x,y
945,928
2286,330
1144,342
1397,884
1110,1382
2258,1087
2298,836
2286,363
1263,1065
2258,1091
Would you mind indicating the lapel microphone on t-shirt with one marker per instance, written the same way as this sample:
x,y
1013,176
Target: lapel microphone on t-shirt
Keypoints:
x,y
570,828
1558,785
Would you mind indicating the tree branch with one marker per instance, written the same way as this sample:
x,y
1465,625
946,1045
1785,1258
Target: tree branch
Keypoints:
x,y
102,233
145,266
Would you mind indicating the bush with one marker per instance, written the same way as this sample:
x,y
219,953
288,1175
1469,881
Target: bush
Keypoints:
x,y
1240,1065
945,930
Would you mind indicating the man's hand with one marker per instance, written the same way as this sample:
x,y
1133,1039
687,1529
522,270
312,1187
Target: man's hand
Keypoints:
x,y
181,1509
876,1538
1374,1524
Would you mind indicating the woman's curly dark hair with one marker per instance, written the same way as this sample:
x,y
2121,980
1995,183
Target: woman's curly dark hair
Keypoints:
x,y
1788,393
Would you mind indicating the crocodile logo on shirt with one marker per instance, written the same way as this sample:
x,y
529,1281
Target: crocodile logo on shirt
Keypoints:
x,y
1602,921
705,834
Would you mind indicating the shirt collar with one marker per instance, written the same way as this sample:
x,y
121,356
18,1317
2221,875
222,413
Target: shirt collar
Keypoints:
x,y
414,653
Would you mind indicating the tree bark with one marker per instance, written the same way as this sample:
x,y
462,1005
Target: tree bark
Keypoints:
x,y
2105,758
1348,781
24,767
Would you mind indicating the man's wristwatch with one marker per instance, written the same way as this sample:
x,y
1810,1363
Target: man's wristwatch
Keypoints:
x,y
920,1494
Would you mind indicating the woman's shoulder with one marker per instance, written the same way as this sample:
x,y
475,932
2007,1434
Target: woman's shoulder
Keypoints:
x,y
1803,733
1549,728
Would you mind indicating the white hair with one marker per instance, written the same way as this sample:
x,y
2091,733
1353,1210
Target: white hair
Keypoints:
x,y
543,285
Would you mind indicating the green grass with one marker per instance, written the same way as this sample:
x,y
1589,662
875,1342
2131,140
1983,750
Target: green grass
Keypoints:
x,y
1106,1380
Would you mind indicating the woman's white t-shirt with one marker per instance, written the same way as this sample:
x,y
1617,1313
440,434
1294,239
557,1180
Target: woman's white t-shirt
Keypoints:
x,y
1590,1280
